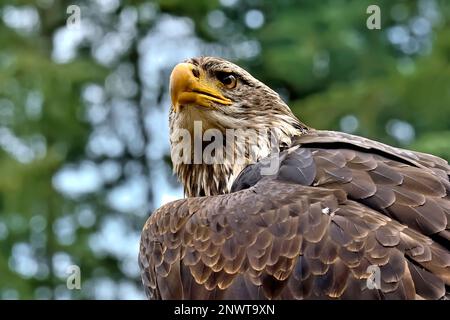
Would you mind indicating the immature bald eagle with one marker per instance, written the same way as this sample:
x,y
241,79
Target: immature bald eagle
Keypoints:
x,y
339,211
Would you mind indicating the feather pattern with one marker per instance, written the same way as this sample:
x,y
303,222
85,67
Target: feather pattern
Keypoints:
x,y
344,217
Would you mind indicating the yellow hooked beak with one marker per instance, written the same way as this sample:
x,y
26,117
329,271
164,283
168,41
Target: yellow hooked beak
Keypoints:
x,y
189,85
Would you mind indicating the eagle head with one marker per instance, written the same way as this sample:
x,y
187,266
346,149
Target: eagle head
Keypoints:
x,y
210,93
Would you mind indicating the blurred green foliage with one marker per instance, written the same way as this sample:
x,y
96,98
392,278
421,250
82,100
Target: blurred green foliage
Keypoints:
x,y
392,85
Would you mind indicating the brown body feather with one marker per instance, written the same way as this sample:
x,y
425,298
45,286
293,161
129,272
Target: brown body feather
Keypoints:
x,y
281,238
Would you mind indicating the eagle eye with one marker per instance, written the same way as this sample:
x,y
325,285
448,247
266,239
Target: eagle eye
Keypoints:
x,y
229,80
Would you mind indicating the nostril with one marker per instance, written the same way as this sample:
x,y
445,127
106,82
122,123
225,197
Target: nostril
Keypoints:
x,y
195,72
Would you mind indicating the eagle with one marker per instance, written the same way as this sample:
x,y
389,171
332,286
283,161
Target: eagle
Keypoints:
x,y
340,216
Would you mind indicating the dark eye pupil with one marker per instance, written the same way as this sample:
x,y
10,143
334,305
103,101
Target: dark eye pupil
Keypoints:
x,y
228,79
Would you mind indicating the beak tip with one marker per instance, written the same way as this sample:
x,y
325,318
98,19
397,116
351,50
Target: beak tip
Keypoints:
x,y
188,87
180,80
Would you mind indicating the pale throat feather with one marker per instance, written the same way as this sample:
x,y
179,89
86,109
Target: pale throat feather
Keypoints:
x,y
203,179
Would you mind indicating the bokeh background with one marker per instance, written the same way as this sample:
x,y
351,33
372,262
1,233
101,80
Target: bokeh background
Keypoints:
x,y
83,112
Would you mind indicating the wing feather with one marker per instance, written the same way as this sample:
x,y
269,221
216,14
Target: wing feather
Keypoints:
x,y
279,258
339,205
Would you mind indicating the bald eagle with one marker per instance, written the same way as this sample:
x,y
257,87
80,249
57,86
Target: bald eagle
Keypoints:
x,y
341,217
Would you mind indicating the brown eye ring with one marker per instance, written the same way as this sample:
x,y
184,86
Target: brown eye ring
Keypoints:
x,y
228,80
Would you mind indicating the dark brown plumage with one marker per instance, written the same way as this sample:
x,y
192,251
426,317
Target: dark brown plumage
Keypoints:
x,y
338,205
